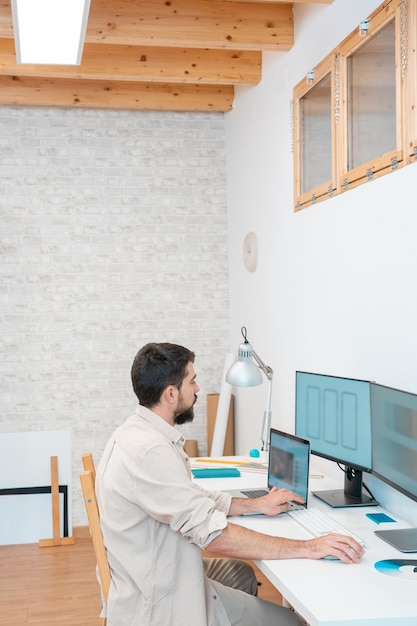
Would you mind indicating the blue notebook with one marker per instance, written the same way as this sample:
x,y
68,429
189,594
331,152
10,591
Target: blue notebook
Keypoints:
x,y
216,472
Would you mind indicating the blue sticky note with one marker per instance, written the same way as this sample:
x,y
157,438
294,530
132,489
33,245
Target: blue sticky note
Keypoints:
x,y
379,518
216,472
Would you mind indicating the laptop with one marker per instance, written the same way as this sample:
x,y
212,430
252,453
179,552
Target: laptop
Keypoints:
x,y
404,539
288,467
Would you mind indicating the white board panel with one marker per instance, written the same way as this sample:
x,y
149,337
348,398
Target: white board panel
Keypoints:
x,y
28,518
25,462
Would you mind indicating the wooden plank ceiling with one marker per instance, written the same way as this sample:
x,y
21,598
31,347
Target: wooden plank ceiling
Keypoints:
x,y
176,55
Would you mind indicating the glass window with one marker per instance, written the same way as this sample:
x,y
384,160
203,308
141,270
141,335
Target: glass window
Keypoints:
x,y
316,135
371,110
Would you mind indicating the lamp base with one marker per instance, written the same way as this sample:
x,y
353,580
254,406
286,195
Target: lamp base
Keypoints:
x,y
264,456
260,456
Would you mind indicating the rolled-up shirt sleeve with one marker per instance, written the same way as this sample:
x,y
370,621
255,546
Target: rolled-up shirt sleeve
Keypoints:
x,y
204,534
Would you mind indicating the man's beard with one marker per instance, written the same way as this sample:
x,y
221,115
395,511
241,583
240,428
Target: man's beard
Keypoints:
x,y
186,415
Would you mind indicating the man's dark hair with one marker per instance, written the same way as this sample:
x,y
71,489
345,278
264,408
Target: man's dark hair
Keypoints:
x,y
155,367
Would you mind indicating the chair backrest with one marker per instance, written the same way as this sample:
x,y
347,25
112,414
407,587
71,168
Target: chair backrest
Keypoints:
x,y
88,464
87,478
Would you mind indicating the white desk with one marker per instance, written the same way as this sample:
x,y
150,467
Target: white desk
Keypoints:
x,y
330,593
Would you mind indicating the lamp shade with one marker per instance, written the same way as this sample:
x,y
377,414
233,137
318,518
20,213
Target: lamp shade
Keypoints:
x,y
244,372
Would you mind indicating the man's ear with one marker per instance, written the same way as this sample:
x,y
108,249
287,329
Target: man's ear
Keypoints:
x,y
169,393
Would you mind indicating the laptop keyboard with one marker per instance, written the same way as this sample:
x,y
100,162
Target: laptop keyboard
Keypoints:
x,y
255,493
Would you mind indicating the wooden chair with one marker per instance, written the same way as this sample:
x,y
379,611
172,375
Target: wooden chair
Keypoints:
x,y
88,479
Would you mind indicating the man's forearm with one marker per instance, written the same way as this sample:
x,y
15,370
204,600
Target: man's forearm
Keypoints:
x,y
239,542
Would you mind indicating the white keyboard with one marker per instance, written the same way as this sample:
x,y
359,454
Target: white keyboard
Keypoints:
x,y
318,523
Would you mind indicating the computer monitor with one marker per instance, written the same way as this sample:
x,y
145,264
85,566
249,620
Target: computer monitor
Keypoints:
x,y
394,438
394,456
334,414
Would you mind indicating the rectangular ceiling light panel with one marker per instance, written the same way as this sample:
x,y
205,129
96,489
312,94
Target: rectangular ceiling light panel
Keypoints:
x,y
50,32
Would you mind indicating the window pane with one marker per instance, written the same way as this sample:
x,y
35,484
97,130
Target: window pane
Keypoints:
x,y
371,98
316,135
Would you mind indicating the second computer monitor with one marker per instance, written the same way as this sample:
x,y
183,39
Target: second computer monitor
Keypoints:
x,y
394,435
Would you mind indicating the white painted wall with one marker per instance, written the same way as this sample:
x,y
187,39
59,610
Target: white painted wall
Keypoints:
x,y
335,290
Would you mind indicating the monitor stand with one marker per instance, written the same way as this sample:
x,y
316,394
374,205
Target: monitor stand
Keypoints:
x,y
351,495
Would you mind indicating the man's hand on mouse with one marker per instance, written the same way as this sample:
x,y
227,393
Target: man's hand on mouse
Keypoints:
x,y
342,547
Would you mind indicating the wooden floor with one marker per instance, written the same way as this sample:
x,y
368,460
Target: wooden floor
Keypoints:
x,y
57,586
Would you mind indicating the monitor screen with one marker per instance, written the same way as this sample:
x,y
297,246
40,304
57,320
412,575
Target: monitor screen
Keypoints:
x,y
334,414
394,438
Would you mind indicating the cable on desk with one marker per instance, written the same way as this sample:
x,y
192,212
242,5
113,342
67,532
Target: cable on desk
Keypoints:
x,y
339,465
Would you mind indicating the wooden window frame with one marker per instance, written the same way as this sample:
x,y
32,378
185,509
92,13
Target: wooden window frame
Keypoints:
x,y
410,84
404,14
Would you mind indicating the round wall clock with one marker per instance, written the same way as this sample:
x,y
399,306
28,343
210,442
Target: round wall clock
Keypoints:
x,y
250,251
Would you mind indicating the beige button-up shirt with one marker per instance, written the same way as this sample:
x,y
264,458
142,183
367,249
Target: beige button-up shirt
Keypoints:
x,y
155,522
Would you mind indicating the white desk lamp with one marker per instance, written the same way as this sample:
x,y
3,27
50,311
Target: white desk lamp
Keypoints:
x,y
244,373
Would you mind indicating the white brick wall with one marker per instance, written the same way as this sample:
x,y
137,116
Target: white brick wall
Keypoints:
x,y
113,233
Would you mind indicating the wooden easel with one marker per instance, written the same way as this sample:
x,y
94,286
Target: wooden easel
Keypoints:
x,y
56,540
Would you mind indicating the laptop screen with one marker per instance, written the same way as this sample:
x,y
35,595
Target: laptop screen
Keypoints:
x,y
289,459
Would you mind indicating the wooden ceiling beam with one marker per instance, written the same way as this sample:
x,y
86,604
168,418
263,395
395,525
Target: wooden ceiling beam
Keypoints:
x,y
285,1
174,55
184,24
192,23
146,64
22,91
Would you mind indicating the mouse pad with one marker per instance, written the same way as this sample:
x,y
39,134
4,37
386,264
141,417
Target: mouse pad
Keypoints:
x,y
405,569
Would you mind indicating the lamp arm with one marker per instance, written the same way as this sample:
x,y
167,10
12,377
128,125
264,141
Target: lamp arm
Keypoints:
x,y
268,371
266,425
265,368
